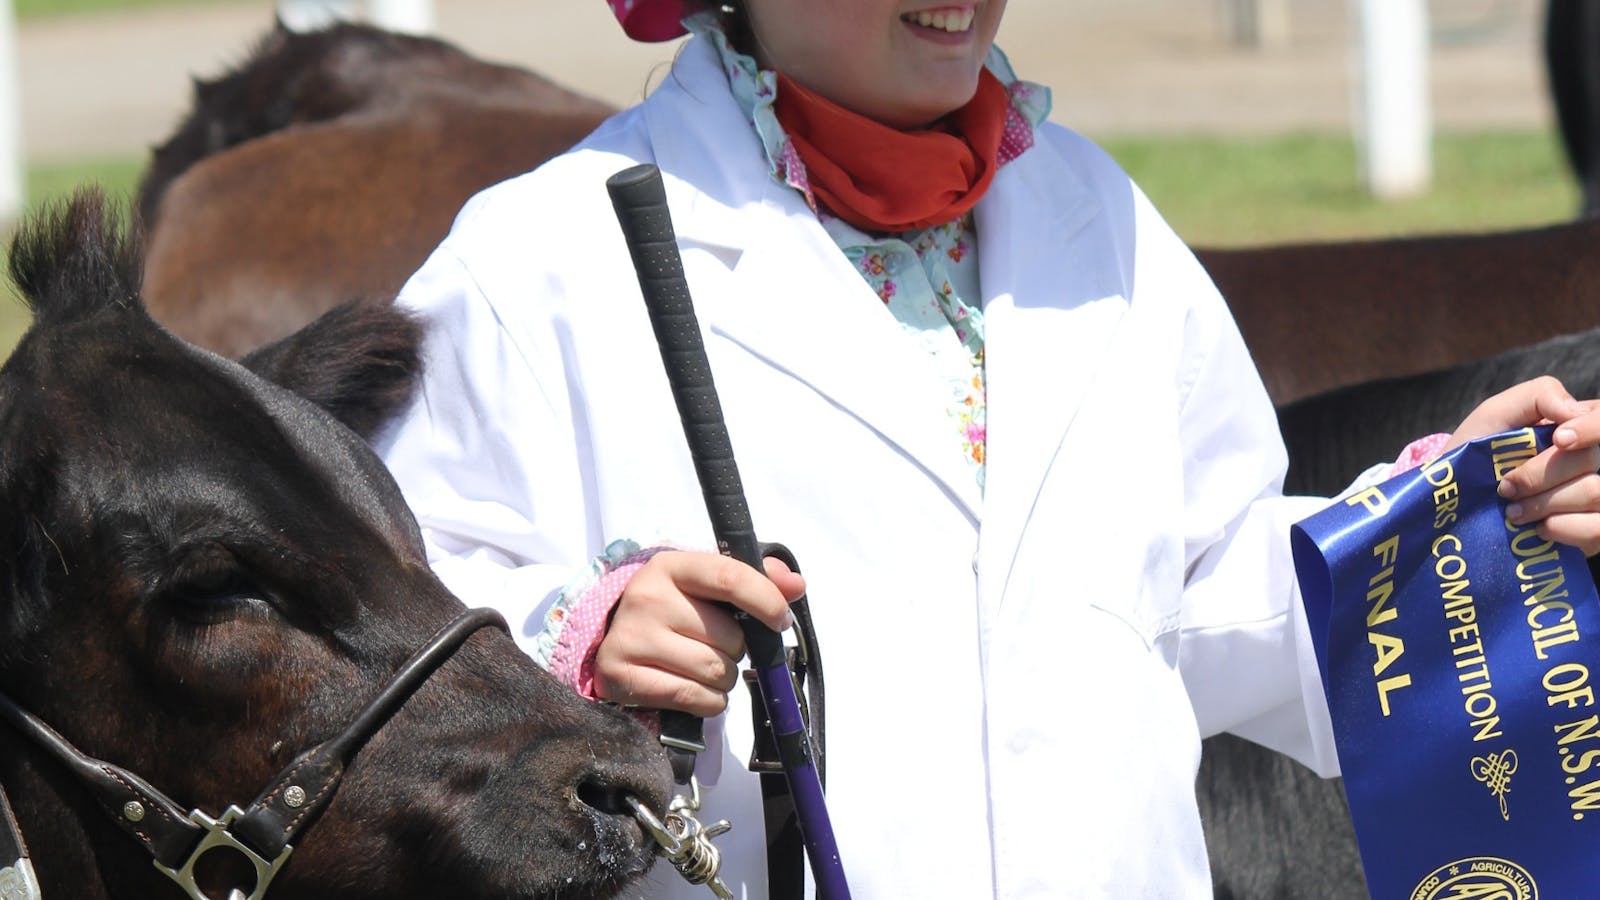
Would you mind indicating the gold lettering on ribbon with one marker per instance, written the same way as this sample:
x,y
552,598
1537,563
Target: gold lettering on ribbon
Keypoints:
x,y
1495,771
1513,450
1387,648
1466,647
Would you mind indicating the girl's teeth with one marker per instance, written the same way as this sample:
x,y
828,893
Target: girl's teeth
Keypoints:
x,y
954,22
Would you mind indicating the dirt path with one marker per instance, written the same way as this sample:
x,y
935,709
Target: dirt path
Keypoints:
x,y
113,85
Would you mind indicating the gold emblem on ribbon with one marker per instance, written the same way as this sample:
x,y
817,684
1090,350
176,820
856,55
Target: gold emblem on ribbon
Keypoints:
x,y
1477,878
1495,771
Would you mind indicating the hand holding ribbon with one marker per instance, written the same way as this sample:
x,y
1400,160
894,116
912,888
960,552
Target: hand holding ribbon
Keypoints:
x,y
1558,488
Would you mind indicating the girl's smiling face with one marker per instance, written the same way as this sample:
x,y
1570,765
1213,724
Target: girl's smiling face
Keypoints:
x,y
904,63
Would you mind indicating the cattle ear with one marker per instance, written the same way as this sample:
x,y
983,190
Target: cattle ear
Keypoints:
x,y
358,361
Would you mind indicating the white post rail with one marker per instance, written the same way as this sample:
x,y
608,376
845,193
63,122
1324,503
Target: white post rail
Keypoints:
x,y
1262,24
409,16
13,180
1394,119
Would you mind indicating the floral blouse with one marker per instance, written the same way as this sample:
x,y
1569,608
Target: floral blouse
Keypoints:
x,y
928,280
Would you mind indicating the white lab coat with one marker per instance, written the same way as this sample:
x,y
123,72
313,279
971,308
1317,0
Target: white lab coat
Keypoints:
x,y
1019,680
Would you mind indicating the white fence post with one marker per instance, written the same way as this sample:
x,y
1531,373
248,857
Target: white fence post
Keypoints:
x,y
410,16
1394,118
1257,23
13,181
308,15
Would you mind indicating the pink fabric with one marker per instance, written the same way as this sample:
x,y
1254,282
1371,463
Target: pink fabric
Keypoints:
x,y
651,20
1018,135
572,661
1419,452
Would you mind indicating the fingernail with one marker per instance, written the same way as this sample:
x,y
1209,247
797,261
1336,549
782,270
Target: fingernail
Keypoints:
x,y
1505,488
1565,436
1514,512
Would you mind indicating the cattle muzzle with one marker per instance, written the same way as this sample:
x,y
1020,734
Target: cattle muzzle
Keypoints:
x,y
262,833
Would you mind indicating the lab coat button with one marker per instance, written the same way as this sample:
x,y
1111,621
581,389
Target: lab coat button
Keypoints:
x,y
1019,742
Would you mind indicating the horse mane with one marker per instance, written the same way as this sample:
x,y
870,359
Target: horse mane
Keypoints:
x,y
77,257
288,77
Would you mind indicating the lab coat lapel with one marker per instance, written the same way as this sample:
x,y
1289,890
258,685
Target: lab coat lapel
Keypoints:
x,y
1054,298
797,303
792,299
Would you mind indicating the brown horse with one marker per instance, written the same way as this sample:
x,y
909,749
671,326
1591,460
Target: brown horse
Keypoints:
x,y
210,588
1321,316
326,168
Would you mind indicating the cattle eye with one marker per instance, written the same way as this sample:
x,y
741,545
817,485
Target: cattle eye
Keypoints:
x,y
231,588
211,588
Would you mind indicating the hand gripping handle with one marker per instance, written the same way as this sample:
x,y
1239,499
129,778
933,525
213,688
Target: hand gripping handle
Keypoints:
x,y
641,206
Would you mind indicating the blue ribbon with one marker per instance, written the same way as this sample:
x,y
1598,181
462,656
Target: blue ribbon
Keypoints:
x,y
1460,655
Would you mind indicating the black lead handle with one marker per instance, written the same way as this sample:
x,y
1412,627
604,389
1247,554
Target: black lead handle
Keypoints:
x,y
641,205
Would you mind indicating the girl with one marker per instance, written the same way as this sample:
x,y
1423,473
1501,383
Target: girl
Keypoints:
x,y
973,380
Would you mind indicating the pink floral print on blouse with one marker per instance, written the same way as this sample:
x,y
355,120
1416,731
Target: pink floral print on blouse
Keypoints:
x,y
922,282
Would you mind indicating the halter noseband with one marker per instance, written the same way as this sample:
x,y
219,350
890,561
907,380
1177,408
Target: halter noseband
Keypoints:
x,y
261,832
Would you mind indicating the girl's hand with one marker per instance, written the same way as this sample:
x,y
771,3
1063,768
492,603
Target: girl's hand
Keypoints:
x,y
1559,487
670,646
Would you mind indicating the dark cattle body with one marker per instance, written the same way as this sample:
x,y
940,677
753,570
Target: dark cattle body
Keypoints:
x,y
1275,830
203,573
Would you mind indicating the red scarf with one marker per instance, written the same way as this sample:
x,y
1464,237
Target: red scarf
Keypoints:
x,y
884,180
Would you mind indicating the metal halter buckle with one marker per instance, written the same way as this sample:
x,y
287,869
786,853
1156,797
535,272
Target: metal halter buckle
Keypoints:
x,y
218,835
17,881
684,841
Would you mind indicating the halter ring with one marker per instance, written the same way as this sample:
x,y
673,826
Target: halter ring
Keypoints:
x,y
218,836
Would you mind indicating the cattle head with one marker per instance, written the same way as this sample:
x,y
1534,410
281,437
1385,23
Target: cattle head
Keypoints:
x,y
203,573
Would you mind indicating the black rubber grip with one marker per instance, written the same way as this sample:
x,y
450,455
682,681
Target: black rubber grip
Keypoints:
x,y
640,200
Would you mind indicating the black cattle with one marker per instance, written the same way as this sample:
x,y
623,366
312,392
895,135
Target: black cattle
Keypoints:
x,y
204,573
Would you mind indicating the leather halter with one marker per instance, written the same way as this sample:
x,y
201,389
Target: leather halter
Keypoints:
x,y
261,832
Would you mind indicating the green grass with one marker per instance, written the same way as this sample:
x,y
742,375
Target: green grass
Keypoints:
x,y
117,177
1219,191
1215,191
33,9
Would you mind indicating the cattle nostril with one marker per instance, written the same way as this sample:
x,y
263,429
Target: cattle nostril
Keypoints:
x,y
604,797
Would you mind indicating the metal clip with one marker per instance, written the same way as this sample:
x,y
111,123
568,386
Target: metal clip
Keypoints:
x,y
17,881
684,841
219,837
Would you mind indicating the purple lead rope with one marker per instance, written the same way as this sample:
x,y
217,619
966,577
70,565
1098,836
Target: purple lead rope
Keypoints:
x,y
641,205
